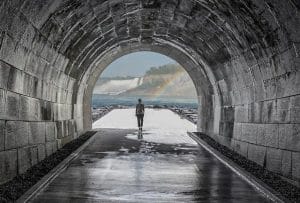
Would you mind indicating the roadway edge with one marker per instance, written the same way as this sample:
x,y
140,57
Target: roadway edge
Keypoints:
x,y
47,179
259,185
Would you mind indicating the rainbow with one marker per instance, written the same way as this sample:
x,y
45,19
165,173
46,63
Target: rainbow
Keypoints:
x,y
163,88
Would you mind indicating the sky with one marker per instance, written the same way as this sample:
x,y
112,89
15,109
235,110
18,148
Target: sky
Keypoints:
x,y
136,64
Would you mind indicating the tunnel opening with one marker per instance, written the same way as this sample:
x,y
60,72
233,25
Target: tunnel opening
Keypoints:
x,y
202,87
155,78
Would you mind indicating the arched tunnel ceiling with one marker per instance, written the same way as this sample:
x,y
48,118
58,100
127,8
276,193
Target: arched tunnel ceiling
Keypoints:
x,y
216,30
234,48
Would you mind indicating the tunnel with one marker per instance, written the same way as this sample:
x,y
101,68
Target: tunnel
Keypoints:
x,y
243,57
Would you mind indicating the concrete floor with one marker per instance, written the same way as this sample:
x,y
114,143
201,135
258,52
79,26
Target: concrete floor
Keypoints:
x,y
161,165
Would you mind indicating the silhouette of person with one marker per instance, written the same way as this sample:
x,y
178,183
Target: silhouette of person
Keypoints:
x,y
139,112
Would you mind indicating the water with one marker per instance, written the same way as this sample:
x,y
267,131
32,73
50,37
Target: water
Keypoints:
x,y
101,100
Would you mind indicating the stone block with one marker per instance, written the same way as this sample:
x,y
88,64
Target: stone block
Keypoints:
x,y
34,156
50,131
283,115
25,111
12,106
274,159
13,53
58,144
286,163
38,44
41,152
260,136
289,137
226,129
49,148
257,154
259,92
8,166
271,135
283,103
2,135
269,111
18,26
35,65
295,115
295,101
249,132
16,134
296,165
46,110
4,73
71,127
241,147
237,131
28,84
37,133
24,162
241,114
36,106
66,140
15,81
62,129
2,104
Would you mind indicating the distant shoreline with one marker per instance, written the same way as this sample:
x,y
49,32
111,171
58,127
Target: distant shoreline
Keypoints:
x,y
188,113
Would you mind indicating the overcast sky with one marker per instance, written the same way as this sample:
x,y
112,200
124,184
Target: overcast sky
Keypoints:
x,y
135,64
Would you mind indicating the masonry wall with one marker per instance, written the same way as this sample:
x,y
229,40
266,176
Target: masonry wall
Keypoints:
x,y
245,56
261,101
36,111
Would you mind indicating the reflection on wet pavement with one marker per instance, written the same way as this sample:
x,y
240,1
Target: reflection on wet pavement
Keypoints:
x,y
121,165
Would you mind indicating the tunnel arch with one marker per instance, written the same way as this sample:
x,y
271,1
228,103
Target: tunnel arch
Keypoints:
x,y
244,53
204,89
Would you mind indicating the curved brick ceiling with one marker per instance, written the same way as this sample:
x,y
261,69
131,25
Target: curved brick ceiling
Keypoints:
x,y
242,55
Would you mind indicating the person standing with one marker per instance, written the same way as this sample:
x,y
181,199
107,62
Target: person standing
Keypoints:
x,y
139,112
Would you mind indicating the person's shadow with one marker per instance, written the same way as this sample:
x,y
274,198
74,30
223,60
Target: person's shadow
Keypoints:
x,y
140,134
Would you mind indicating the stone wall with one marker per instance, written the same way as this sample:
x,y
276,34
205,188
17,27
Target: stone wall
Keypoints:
x,y
242,55
35,94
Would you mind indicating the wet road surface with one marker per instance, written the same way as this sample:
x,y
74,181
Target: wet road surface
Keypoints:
x,y
161,165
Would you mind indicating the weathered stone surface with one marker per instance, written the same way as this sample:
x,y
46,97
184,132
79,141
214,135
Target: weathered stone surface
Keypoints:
x,y
296,165
33,155
16,134
2,135
13,53
41,152
249,132
240,147
4,73
37,133
286,163
269,111
283,110
289,137
50,131
12,106
237,131
8,166
51,147
24,159
257,154
271,135
274,160
15,81
2,103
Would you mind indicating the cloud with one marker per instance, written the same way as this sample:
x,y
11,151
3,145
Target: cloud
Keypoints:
x,y
136,64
